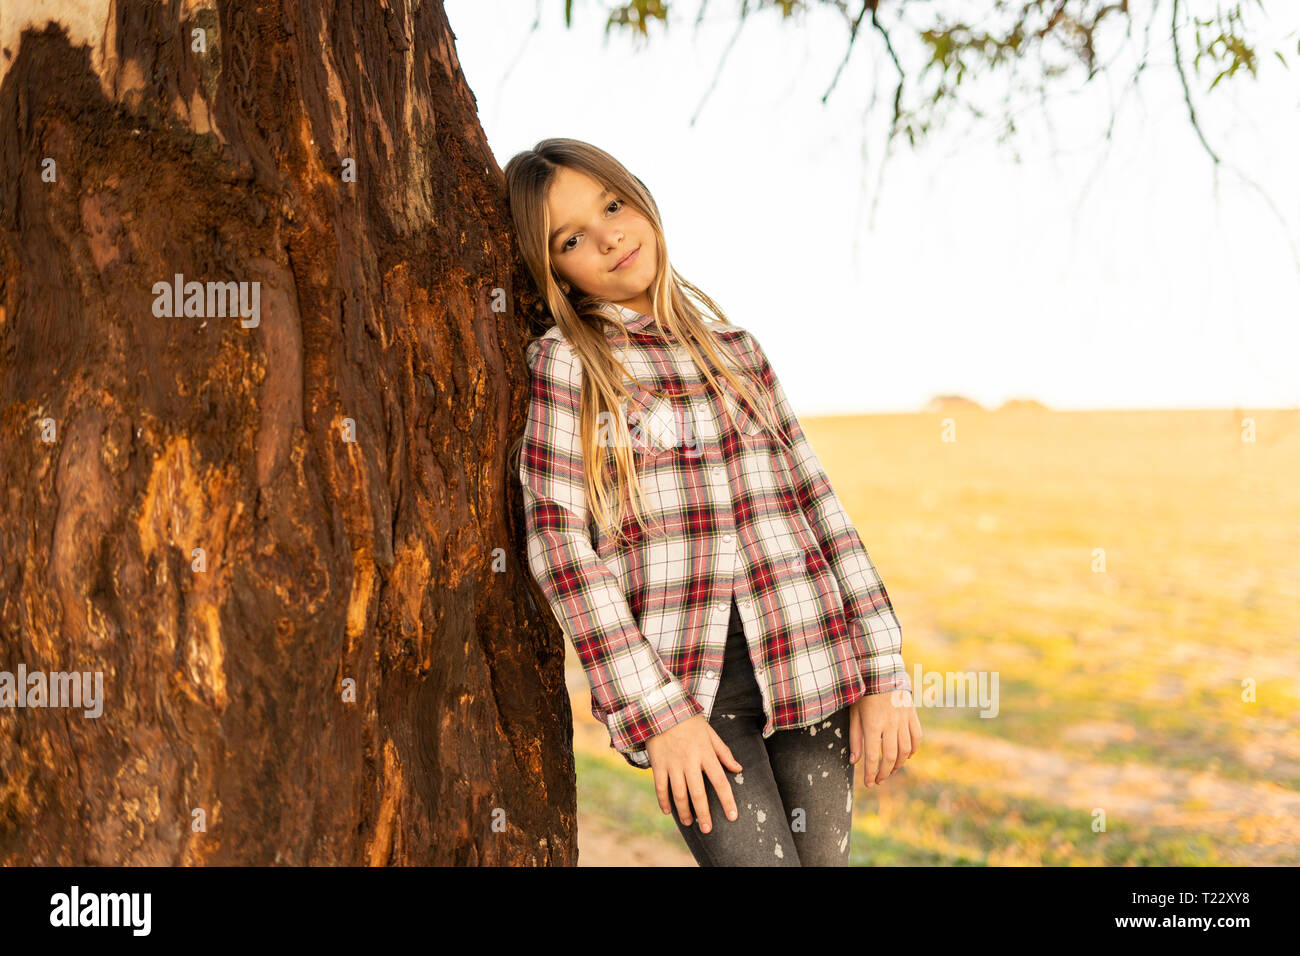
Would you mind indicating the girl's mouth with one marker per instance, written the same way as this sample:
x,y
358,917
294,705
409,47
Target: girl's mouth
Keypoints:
x,y
627,260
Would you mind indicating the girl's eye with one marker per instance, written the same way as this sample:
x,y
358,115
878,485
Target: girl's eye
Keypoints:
x,y
619,203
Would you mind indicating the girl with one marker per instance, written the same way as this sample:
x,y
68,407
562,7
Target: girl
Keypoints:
x,y
730,622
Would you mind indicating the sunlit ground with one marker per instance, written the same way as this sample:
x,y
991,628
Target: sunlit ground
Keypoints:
x,y
1132,579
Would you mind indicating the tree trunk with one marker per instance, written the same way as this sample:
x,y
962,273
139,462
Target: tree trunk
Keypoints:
x,y
286,533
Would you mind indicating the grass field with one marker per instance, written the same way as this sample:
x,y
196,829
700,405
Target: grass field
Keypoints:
x,y
1133,580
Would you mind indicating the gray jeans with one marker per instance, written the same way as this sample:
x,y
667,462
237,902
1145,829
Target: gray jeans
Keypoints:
x,y
794,797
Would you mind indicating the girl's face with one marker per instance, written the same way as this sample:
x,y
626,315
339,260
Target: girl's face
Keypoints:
x,y
592,233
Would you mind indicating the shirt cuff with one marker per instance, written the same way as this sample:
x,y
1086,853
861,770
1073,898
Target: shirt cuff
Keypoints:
x,y
662,708
884,672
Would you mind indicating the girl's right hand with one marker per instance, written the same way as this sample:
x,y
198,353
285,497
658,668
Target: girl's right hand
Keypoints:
x,y
681,755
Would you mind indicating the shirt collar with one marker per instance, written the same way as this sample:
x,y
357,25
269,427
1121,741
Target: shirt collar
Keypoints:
x,y
632,320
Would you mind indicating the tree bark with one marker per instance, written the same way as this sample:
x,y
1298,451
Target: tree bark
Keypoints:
x,y
338,452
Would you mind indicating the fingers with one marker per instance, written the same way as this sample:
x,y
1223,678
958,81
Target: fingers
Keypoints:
x,y
680,772
904,746
722,788
720,784
690,774
680,795
871,759
724,752
661,788
890,737
699,797
888,755
899,745
909,737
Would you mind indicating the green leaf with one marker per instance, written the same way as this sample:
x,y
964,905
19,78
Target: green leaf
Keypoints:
x,y
1278,54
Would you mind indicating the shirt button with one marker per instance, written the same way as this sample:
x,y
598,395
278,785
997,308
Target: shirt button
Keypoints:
x,y
722,609
709,674
717,471
726,538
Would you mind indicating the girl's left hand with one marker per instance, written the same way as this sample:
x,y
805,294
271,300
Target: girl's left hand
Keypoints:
x,y
891,732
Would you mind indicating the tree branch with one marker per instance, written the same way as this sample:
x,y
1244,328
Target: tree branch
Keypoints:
x,y
1187,93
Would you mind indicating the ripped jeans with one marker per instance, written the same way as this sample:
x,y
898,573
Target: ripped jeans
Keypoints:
x,y
794,797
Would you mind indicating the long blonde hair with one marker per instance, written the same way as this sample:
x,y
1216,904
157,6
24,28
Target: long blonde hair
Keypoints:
x,y
583,322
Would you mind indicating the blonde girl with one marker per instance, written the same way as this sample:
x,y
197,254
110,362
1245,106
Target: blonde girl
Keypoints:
x,y
735,634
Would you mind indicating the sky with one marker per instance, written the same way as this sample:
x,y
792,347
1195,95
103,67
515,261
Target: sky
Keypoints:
x,y
1059,267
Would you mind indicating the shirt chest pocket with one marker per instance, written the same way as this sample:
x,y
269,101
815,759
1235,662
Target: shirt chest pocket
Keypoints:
x,y
746,420
652,424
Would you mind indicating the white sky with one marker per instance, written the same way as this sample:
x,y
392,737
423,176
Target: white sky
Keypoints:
x,y
1081,279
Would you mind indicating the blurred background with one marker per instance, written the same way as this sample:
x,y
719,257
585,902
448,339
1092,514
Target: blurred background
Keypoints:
x,y
1058,265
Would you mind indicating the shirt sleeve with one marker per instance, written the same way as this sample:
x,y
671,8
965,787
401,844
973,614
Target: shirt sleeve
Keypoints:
x,y
639,697
877,637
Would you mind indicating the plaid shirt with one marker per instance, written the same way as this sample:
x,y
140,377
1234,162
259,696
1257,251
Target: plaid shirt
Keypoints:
x,y
731,513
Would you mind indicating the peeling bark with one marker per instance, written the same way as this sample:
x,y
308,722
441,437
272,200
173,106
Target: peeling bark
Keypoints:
x,y
325,560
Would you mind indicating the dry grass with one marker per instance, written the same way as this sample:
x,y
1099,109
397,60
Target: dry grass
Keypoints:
x,y
1132,579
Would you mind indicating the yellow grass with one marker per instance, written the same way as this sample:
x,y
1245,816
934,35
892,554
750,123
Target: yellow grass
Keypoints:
x,y
1132,578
